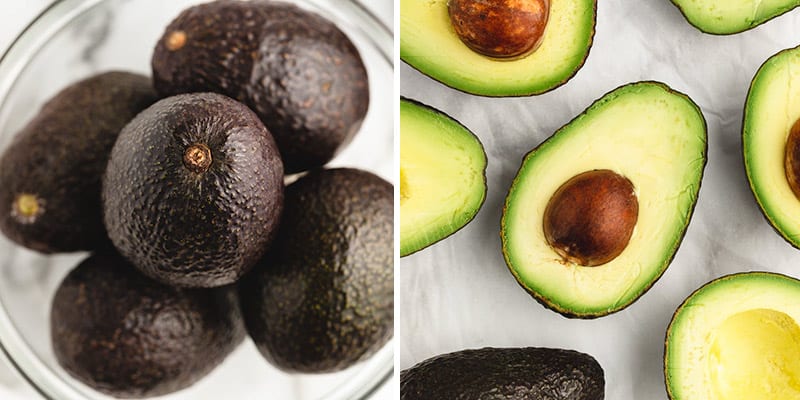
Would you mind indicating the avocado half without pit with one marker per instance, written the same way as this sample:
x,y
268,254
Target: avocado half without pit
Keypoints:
x,y
442,176
497,48
771,143
597,212
725,17
736,338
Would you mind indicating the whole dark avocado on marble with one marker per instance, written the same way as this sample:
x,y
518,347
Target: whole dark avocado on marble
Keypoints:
x,y
323,297
193,191
528,373
302,75
50,174
126,335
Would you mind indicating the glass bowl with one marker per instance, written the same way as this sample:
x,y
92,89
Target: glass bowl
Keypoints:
x,y
73,39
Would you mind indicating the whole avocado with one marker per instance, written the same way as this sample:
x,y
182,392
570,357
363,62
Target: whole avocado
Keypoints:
x,y
194,190
50,175
302,76
128,336
529,373
323,298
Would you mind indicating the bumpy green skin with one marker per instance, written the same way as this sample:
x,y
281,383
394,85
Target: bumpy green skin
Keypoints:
x,y
60,157
187,228
295,69
718,26
323,299
505,374
129,336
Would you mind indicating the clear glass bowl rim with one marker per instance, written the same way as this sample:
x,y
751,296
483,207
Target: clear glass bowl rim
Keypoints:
x,y
14,60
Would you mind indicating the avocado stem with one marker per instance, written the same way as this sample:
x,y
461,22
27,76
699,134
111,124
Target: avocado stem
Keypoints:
x,y
176,40
26,208
197,158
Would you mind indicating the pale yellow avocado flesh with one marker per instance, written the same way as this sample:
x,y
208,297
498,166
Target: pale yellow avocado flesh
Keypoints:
x,y
773,106
442,182
737,338
645,132
429,43
732,16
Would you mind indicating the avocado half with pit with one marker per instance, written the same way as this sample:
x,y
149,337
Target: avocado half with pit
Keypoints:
x,y
501,48
771,143
597,212
725,17
442,176
736,338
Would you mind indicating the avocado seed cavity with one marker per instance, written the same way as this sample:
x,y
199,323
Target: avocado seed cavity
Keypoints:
x,y
503,29
792,159
590,218
26,208
197,158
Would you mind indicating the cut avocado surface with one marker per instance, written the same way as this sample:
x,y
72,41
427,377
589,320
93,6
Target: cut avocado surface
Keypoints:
x,y
724,17
770,112
442,176
645,132
736,338
429,43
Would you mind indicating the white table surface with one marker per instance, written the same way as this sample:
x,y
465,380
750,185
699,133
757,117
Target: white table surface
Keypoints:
x,y
14,17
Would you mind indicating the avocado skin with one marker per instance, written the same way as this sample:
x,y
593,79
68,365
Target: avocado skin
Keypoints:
x,y
128,336
60,157
505,374
323,298
185,228
300,74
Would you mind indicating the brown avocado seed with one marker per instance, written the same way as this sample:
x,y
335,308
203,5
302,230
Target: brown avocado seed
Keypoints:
x,y
504,29
197,158
590,218
792,159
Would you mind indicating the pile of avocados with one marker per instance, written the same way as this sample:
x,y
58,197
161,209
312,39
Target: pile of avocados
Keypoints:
x,y
596,212
177,187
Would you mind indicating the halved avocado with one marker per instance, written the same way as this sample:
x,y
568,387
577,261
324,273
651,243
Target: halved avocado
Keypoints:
x,y
442,176
644,132
736,338
429,43
771,111
725,17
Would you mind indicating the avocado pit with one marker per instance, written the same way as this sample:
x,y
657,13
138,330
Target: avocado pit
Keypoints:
x,y
503,29
590,218
792,159
26,208
197,158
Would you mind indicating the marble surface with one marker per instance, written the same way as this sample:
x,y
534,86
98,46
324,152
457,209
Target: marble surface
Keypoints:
x,y
459,294
14,16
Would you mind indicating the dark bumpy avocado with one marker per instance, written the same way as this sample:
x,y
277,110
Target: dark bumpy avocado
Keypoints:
x,y
323,298
724,17
129,336
50,174
505,374
194,190
588,236
736,338
431,42
295,69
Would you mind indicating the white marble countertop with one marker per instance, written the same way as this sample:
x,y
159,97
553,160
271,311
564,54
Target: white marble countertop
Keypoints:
x,y
14,17
459,294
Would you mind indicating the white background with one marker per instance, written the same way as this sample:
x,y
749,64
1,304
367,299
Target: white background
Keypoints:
x,y
14,16
459,294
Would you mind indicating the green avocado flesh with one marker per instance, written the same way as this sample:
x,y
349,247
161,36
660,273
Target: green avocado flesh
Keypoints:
x,y
724,17
429,43
770,111
646,132
442,181
736,338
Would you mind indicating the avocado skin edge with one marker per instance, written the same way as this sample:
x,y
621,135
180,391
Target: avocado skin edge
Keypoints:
x,y
485,185
105,310
323,298
60,156
502,373
570,314
556,86
702,29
